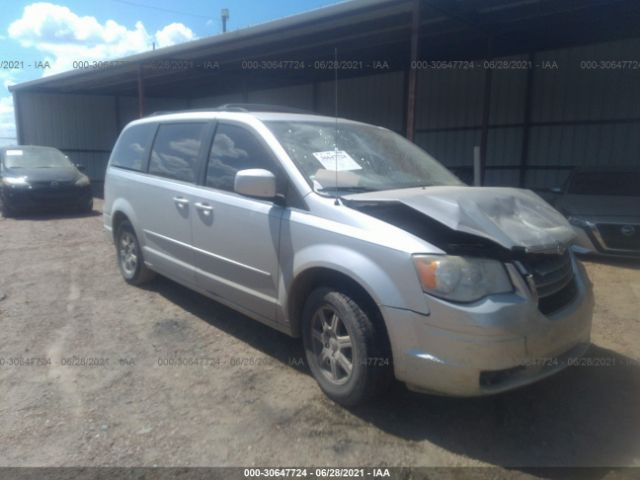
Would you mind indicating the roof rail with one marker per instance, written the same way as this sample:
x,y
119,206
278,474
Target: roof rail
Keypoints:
x,y
237,107
258,107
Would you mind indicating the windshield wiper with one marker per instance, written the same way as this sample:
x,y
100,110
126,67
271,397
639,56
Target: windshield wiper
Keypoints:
x,y
346,189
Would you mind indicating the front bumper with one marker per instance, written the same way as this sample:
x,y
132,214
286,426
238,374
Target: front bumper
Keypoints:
x,y
22,198
496,344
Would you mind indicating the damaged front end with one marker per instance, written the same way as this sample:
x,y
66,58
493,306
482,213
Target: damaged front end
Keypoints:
x,y
509,225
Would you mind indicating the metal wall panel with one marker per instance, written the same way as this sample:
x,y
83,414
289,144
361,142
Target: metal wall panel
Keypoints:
x,y
508,91
580,114
129,109
297,96
95,163
502,177
581,89
68,121
216,100
449,98
376,99
583,110
504,146
452,148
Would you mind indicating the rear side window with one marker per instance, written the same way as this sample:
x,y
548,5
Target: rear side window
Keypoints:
x,y
176,151
235,148
132,148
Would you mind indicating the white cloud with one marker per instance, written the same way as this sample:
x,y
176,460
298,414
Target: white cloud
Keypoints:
x,y
64,37
7,78
173,34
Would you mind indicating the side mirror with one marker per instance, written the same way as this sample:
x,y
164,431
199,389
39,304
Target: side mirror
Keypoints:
x,y
80,167
255,182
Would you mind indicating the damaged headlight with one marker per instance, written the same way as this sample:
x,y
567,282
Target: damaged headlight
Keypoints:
x,y
461,279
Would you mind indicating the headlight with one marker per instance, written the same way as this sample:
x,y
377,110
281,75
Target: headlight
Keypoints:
x,y
22,181
83,181
461,279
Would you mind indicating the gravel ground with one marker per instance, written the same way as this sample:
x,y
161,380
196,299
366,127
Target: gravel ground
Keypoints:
x,y
86,376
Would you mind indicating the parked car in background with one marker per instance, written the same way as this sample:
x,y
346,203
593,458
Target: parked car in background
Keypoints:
x,y
36,178
353,238
604,208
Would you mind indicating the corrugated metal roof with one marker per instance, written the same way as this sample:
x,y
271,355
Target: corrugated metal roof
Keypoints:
x,y
366,29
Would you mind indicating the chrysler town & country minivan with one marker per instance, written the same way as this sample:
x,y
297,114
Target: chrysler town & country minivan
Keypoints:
x,y
356,240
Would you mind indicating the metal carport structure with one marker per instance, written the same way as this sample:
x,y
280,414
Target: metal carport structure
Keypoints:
x,y
553,83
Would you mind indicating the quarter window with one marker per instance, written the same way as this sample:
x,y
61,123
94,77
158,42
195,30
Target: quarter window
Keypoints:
x,y
132,148
235,148
176,151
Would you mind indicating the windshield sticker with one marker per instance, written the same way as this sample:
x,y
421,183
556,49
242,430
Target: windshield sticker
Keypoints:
x,y
343,160
14,152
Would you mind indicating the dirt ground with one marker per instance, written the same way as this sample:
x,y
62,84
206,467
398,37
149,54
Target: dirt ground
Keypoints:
x,y
96,372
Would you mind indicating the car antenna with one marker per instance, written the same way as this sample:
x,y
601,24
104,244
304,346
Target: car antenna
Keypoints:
x,y
335,146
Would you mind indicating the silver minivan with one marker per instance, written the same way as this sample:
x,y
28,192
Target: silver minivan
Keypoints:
x,y
354,239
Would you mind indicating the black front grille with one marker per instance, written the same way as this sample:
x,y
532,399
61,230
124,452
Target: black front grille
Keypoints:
x,y
553,279
51,184
620,237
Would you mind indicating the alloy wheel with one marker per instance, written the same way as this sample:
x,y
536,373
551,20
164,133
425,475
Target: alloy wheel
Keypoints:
x,y
332,345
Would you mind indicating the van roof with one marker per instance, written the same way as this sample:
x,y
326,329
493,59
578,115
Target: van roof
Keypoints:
x,y
233,114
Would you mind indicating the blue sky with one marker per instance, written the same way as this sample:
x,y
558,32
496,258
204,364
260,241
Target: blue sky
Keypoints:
x,y
44,38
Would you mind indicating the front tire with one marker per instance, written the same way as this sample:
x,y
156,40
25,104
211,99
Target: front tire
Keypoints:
x,y
87,207
7,210
130,259
346,348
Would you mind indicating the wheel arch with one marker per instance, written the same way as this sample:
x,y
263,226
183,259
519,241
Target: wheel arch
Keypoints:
x,y
323,276
120,211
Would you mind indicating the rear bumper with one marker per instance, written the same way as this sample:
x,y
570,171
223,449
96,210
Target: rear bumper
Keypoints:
x,y
494,345
44,198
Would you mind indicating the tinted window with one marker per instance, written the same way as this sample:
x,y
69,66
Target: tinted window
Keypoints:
x,y
176,149
132,148
606,183
235,148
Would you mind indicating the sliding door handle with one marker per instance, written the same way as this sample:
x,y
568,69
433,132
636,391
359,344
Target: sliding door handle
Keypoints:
x,y
205,208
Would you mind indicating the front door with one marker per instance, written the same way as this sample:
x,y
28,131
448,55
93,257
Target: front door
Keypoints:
x,y
235,237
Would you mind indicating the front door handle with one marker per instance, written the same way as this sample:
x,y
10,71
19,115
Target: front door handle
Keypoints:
x,y
205,208
181,202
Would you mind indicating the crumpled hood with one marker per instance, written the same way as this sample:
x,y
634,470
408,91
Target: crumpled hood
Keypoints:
x,y
510,217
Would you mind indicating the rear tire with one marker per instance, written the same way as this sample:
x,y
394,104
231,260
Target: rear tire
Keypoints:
x,y
346,348
129,254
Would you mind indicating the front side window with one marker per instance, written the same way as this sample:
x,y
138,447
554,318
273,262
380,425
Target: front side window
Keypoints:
x,y
234,148
357,157
132,148
176,151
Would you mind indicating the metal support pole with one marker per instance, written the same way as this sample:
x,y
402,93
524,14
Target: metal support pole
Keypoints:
x,y
412,81
486,111
140,92
526,128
